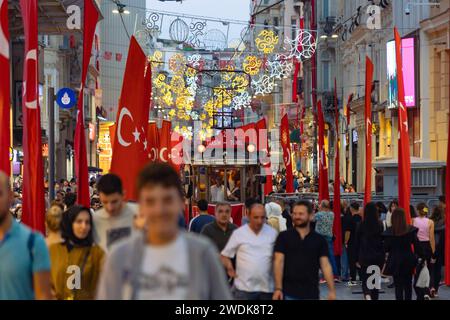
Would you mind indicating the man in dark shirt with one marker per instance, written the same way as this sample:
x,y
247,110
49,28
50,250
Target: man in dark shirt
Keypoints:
x,y
285,213
299,253
202,219
220,230
350,223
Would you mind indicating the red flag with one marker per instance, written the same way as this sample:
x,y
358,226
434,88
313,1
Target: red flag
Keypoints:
x,y
404,161
324,194
81,167
368,118
33,205
153,141
337,228
5,113
286,145
295,81
165,146
263,146
447,213
129,155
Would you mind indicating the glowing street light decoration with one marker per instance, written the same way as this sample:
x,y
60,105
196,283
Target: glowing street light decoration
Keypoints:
x,y
252,65
280,68
264,85
266,41
302,47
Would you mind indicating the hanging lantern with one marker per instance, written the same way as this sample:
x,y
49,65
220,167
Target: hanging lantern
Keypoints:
x,y
179,30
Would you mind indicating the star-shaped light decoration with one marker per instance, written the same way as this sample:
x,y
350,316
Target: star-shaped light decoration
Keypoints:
x,y
264,85
280,67
302,47
242,100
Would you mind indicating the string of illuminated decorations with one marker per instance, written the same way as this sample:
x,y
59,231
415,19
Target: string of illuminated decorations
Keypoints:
x,y
190,87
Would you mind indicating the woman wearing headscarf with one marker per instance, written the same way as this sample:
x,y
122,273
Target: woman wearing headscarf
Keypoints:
x,y
275,218
76,262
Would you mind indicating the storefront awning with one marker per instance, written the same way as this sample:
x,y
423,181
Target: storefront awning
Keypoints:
x,y
52,16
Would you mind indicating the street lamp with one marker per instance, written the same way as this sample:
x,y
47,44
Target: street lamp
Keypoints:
x,y
120,8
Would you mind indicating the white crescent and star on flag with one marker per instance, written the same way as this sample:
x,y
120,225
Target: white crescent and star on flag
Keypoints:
x,y
30,56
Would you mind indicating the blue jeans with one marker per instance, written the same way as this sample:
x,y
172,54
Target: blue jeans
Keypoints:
x,y
344,264
331,255
244,295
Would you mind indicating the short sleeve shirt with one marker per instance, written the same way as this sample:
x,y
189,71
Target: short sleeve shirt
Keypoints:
x,y
18,263
301,262
324,223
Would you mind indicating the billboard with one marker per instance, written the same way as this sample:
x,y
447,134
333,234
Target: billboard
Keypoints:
x,y
408,73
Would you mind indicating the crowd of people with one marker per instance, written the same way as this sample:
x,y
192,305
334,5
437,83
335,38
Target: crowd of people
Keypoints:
x,y
146,250
305,182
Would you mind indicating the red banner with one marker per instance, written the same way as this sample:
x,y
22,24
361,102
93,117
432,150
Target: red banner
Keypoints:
x,y
81,167
129,154
153,142
337,228
287,157
404,161
165,145
368,121
447,213
324,194
263,146
5,129
33,205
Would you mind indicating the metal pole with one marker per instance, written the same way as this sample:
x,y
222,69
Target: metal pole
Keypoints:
x,y
51,142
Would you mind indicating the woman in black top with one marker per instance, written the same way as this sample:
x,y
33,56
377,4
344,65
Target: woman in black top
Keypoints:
x,y
398,242
369,248
438,217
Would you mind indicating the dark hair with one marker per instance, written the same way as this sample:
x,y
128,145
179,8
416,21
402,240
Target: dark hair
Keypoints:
x,y
399,225
395,201
67,234
249,202
110,184
421,209
162,174
256,203
371,222
412,211
381,207
442,199
202,205
438,214
70,199
354,205
304,203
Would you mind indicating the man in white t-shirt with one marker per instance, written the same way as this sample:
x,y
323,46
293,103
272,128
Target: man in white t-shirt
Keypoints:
x,y
115,220
252,244
218,191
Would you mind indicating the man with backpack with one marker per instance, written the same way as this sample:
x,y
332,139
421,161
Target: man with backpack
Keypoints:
x,y
25,262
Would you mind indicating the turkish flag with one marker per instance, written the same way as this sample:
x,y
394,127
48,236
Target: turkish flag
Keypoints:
x,y
264,152
5,113
404,161
337,228
165,145
81,167
447,213
324,194
33,205
129,154
286,145
368,121
153,142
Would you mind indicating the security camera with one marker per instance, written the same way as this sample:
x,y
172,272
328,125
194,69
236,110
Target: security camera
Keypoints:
x,y
407,11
